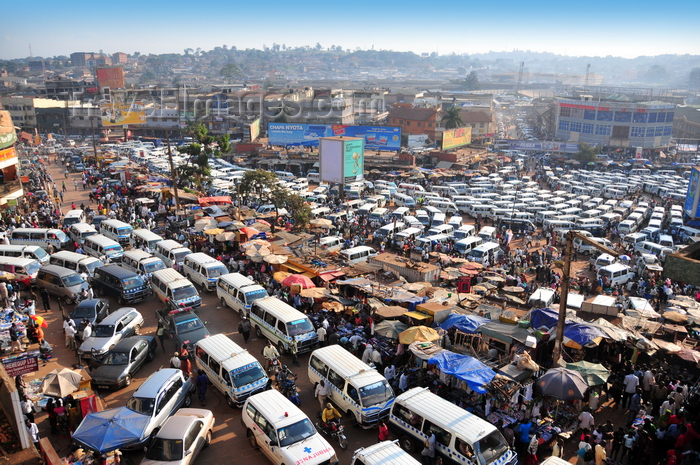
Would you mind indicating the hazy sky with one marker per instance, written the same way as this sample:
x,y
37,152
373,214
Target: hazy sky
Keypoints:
x,y
626,28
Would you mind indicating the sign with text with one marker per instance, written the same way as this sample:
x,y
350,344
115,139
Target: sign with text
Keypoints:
x,y
376,137
458,137
21,366
538,146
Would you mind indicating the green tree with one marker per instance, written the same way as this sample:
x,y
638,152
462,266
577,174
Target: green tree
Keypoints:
x,y
262,185
231,72
147,76
299,210
452,118
586,153
471,82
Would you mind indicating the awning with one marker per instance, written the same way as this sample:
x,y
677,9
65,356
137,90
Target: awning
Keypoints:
x,y
417,315
220,199
331,275
464,367
309,274
293,267
444,164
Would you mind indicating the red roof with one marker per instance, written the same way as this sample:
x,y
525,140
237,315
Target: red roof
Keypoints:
x,y
213,200
413,114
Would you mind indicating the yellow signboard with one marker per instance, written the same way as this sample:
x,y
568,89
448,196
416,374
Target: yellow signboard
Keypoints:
x,y
457,137
120,111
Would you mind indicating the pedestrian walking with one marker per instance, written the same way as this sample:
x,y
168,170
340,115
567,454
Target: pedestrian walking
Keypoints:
x,y
244,328
28,408
175,360
45,299
383,432
33,431
321,393
75,183
201,382
160,332
294,349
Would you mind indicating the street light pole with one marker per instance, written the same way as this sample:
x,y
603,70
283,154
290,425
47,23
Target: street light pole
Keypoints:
x,y
173,177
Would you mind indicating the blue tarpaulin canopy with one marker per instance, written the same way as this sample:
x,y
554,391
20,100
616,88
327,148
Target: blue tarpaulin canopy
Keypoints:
x,y
464,367
546,317
582,334
110,429
464,323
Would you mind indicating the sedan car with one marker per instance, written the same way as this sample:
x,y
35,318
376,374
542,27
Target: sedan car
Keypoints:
x,y
181,437
123,361
106,334
182,325
95,310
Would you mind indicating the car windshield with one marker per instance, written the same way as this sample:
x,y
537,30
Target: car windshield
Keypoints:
x,y
491,448
124,231
32,267
133,282
91,267
247,375
83,312
376,393
165,450
40,254
155,266
297,327
104,331
72,280
217,271
184,292
180,256
141,405
190,324
116,358
252,296
114,249
296,432
61,236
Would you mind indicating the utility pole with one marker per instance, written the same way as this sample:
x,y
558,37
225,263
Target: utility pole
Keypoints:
x,y
173,177
565,278
92,131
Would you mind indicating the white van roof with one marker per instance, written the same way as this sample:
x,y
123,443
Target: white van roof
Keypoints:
x,y
282,311
347,365
230,354
275,407
446,414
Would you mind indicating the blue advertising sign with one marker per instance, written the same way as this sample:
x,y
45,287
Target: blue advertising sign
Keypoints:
x,y
691,198
539,146
376,137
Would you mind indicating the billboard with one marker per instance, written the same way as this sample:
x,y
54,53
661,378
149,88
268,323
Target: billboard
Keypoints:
x,y
254,130
120,110
112,77
341,159
692,197
354,160
8,135
458,137
376,137
417,141
21,365
538,146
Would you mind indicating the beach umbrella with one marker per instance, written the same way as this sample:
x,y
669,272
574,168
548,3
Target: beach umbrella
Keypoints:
x,y
276,259
205,223
250,232
496,279
562,383
314,292
253,242
390,328
689,355
110,429
40,321
471,266
214,231
262,245
594,373
260,226
281,276
513,289
257,255
415,287
61,383
321,223
418,333
391,311
302,280
226,236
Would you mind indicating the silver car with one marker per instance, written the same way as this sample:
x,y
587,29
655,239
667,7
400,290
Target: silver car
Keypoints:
x,y
121,324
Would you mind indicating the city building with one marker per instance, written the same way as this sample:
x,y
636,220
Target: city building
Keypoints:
x,y
21,111
66,89
120,57
414,121
686,124
110,76
80,59
10,184
617,122
480,122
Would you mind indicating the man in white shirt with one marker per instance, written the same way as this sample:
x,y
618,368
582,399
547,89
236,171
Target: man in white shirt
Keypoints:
x,y
631,382
367,354
70,336
321,393
33,431
390,372
647,383
321,332
403,382
586,420
87,331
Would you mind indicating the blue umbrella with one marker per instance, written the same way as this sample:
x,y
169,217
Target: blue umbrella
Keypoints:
x,y
562,383
110,429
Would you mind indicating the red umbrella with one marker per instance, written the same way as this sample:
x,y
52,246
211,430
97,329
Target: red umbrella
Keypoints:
x,y
250,232
305,282
40,321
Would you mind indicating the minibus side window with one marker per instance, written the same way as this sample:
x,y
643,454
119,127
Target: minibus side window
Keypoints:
x,y
336,380
319,366
281,327
464,448
203,356
441,436
214,365
352,392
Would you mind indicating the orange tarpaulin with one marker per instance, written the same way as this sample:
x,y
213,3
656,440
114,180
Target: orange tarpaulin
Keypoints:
x,y
213,200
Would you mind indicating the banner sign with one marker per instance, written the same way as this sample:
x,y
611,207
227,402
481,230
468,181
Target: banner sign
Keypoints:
x,y
21,366
538,146
376,137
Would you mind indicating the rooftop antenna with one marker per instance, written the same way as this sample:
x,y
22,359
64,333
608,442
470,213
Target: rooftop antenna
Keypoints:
x,y
30,51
